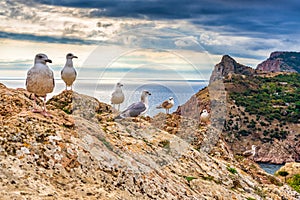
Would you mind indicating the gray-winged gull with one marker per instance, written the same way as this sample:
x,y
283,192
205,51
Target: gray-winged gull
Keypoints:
x,y
138,108
167,104
68,73
40,80
204,117
117,97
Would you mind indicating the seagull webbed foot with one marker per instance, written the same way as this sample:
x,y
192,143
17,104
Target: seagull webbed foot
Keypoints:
x,y
46,114
34,110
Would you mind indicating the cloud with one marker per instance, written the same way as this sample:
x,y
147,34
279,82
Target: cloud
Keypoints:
x,y
241,29
47,39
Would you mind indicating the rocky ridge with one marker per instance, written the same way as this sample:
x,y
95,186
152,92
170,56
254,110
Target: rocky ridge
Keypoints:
x,y
281,61
227,67
82,153
277,139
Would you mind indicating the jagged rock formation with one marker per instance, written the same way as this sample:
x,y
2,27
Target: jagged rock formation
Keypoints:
x,y
227,67
87,155
273,126
281,61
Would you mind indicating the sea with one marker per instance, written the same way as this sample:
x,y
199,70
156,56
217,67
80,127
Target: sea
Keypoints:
x,y
270,168
180,90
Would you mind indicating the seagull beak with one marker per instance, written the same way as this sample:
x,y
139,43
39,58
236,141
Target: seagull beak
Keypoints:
x,y
48,60
75,57
149,93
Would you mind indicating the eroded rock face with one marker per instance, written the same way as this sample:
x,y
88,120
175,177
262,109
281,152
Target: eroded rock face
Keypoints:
x,y
280,61
72,156
227,67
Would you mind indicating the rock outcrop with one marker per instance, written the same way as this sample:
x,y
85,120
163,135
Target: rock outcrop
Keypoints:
x,y
82,153
292,168
227,67
281,61
249,122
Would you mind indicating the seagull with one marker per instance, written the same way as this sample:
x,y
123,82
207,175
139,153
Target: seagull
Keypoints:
x,y
68,73
138,108
40,80
204,117
251,152
167,104
117,97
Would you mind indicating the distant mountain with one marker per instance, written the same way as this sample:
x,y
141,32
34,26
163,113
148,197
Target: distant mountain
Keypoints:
x,y
280,61
227,67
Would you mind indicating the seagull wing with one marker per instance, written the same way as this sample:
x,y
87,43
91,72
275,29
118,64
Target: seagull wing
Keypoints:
x,y
134,109
162,105
165,104
53,82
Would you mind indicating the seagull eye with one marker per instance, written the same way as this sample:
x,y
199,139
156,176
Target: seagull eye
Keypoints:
x,y
40,56
69,54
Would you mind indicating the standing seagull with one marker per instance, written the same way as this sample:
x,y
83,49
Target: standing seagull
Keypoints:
x,y
117,97
204,117
68,73
40,80
251,152
138,108
167,104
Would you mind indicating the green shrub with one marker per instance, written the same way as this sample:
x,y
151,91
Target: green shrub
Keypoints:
x,y
232,170
294,182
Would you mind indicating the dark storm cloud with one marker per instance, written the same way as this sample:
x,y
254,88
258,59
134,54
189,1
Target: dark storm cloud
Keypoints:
x,y
49,39
256,16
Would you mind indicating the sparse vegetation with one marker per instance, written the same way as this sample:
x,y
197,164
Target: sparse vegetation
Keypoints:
x,y
294,182
232,170
260,192
275,98
189,178
164,144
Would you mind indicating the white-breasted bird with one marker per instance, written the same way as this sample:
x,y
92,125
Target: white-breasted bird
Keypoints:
x,y
204,117
40,80
167,104
251,152
138,108
117,97
68,73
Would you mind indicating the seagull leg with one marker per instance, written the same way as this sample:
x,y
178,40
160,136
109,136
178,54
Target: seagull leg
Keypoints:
x,y
35,110
119,107
44,112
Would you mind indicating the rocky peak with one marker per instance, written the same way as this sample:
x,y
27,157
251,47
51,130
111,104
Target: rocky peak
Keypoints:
x,y
229,66
280,61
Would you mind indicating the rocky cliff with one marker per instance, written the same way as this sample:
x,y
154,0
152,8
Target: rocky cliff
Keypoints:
x,y
260,109
281,61
80,152
227,67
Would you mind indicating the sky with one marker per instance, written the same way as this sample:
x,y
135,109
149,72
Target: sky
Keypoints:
x,y
150,39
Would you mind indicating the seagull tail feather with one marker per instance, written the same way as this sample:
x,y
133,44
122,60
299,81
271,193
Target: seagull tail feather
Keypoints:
x,y
121,116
